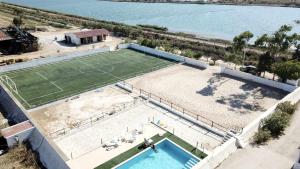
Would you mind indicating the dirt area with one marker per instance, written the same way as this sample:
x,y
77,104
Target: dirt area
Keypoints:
x,y
68,114
18,158
277,154
225,100
51,47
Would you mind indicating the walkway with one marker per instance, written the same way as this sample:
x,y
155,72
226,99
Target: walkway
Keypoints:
x,y
277,154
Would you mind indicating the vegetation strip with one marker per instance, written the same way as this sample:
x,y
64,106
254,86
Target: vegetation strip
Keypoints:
x,y
274,125
135,150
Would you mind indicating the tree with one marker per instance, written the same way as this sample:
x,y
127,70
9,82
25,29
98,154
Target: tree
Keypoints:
x,y
287,70
17,21
296,44
240,42
277,43
265,62
214,58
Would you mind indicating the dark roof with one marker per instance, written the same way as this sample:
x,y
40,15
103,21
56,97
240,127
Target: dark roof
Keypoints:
x,y
4,36
90,33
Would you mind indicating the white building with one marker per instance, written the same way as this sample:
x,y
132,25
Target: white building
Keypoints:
x,y
86,37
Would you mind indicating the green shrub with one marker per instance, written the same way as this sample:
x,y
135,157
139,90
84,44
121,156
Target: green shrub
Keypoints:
x,y
276,123
286,107
261,136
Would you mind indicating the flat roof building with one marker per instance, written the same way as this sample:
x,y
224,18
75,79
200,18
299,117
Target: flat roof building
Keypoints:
x,y
86,37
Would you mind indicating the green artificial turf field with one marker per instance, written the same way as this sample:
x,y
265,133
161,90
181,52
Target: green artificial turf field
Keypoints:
x,y
47,83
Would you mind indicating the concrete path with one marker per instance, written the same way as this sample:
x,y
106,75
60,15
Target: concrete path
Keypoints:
x,y
277,154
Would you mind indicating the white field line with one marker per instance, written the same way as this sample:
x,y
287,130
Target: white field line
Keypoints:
x,y
24,100
70,95
50,81
44,95
99,69
104,72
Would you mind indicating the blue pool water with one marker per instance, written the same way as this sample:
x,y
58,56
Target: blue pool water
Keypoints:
x,y
168,156
218,21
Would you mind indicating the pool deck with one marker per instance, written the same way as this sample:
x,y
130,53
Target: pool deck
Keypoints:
x,y
98,156
88,153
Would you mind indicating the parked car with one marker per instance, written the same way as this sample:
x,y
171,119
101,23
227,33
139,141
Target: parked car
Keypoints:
x,y
249,69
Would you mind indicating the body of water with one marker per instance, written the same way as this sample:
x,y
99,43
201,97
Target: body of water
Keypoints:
x,y
214,21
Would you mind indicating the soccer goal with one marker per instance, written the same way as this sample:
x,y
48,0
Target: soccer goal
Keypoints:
x,y
9,82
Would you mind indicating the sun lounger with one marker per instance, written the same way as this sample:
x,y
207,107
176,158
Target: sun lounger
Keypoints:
x,y
130,138
112,143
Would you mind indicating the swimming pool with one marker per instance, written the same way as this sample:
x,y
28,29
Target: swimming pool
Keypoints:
x,y
168,156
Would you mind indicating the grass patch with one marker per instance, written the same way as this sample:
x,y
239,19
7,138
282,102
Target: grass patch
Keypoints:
x,y
47,83
133,151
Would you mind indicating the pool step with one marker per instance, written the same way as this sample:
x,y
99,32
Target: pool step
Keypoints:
x,y
190,164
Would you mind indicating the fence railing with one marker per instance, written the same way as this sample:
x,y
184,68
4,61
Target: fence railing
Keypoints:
x,y
94,119
178,108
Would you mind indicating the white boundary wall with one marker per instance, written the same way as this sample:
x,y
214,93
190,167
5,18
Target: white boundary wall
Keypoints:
x,y
165,55
264,81
48,155
218,155
221,153
253,127
51,59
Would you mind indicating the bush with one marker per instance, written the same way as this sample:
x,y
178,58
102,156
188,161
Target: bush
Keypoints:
x,y
262,136
276,123
286,107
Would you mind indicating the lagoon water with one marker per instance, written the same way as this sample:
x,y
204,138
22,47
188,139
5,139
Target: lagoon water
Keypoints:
x,y
215,21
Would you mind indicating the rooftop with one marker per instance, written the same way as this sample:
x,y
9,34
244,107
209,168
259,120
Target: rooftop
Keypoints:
x,y
13,130
90,33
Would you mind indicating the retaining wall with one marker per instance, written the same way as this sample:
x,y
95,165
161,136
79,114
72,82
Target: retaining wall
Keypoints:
x,y
51,59
164,54
264,81
13,111
48,156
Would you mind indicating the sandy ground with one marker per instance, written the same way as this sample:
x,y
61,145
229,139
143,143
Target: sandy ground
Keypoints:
x,y
277,154
69,114
4,22
50,47
227,101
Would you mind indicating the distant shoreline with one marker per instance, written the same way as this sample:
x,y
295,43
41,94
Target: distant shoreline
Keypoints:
x,y
291,5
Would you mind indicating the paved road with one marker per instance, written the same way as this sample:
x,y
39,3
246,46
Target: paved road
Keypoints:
x,y
277,154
